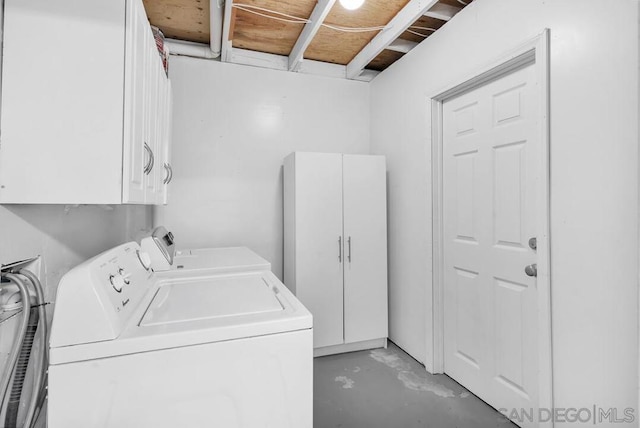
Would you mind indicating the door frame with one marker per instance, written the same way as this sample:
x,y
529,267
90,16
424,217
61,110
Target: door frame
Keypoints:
x,y
533,52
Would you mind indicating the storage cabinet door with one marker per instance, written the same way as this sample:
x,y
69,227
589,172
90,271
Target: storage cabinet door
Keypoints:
x,y
319,248
134,153
365,233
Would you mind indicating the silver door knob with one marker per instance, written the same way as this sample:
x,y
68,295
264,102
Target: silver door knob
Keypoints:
x,y
531,270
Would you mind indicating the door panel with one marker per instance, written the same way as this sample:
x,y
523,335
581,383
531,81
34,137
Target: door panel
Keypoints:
x,y
319,245
508,194
365,234
490,169
465,164
469,330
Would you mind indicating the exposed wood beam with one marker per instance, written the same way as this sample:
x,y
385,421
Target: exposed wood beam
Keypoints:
x,y
401,45
442,11
227,30
367,75
280,62
320,12
405,18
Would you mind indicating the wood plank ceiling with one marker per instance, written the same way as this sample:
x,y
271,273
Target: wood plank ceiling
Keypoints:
x,y
258,33
180,19
339,47
254,28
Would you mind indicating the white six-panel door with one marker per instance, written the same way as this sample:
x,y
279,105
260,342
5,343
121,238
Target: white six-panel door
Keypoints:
x,y
490,171
365,246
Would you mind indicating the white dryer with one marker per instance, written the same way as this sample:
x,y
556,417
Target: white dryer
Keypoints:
x,y
219,259
132,348
167,260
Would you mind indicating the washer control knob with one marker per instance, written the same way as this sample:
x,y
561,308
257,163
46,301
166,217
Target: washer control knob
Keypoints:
x,y
117,282
125,276
145,259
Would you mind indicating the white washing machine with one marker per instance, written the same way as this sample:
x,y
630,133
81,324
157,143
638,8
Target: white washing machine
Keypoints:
x,y
133,348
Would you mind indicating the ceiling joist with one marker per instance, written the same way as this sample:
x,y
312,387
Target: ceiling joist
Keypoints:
x,y
318,16
227,31
407,16
280,62
401,45
442,11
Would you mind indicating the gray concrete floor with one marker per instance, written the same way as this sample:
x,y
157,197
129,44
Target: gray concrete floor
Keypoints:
x,y
386,388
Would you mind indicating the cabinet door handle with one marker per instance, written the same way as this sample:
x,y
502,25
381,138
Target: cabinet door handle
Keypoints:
x,y
168,176
170,173
340,249
153,160
150,162
349,254
147,149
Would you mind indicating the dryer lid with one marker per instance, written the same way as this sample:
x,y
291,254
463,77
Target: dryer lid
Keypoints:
x,y
210,298
219,260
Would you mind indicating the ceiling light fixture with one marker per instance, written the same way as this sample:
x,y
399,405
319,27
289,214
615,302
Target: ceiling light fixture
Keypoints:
x,y
351,4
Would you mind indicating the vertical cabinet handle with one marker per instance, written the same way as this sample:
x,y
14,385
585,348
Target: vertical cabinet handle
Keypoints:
x,y
147,149
340,249
151,161
169,175
349,254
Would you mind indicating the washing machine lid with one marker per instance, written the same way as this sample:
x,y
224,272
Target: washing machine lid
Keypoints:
x,y
201,299
193,310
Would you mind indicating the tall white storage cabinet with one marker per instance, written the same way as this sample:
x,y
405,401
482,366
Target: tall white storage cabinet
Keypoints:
x,y
335,247
85,104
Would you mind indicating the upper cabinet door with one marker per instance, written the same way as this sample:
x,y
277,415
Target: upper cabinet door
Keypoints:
x,y
135,155
319,245
151,119
81,121
168,108
365,234
159,141
62,101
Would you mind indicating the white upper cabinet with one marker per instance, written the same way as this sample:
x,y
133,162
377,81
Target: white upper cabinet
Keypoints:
x,y
85,105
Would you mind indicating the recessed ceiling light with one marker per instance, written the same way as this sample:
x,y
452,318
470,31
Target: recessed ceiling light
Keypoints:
x,y
351,4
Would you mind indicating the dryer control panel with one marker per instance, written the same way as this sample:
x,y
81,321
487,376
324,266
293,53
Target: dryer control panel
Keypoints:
x,y
96,299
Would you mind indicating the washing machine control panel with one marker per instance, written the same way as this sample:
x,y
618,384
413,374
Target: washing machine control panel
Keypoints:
x,y
127,275
96,299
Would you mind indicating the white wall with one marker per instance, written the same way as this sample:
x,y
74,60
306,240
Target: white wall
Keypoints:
x,y
66,235
594,176
232,127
